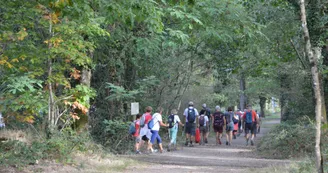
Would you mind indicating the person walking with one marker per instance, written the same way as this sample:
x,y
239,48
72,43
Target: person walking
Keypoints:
x,y
229,125
250,122
207,112
157,121
203,124
190,115
137,134
218,124
145,133
173,122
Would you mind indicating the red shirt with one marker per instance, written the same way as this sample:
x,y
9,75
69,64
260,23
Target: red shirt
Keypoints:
x,y
253,115
137,124
147,117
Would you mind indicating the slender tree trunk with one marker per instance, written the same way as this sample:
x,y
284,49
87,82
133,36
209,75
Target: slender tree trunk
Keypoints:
x,y
242,100
262,105
313,57
51,102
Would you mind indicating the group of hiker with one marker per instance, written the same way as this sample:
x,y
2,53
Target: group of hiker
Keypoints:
x,y
146,127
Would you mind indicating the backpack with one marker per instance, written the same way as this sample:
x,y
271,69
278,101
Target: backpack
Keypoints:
x,y
235,120
218,119
191,115
201,120
142,120
249,119
171,121
132,128
151,123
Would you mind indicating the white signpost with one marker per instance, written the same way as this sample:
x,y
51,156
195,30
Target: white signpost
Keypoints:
x,y
134,108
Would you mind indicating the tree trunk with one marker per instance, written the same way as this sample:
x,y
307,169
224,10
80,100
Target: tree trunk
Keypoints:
x,y
262,105
242,100
313,57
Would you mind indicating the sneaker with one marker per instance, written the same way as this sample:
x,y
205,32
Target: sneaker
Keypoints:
x,y
169,148
191,145
252,143
154,151
186,144
138,152
227,143
206,141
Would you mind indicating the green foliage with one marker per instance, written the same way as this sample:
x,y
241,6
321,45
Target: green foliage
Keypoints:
x,y
291,139
116,137
59,148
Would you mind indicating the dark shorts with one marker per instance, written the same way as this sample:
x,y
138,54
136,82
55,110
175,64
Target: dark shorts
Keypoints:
x,y
190,129
218,129
203,129
250,127
144,138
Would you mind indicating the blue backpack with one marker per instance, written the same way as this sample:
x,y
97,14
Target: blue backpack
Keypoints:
x,y
151,123
191,115
249,119
132,128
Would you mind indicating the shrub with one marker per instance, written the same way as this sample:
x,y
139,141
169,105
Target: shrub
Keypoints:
x,y
116,137
289,140
59,148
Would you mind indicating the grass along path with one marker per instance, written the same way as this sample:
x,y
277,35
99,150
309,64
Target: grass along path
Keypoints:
x,y
211,158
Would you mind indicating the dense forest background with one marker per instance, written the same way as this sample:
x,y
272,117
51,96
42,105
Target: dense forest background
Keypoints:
x,y
77,65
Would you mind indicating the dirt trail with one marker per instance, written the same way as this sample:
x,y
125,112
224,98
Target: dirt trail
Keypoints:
x,y
209,158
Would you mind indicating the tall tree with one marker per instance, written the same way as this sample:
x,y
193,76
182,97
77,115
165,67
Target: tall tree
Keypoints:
x,y
313,55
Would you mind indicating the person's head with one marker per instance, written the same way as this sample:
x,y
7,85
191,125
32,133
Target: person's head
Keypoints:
x,y
159,110
204,106
191,104
230,109
249,107
149,109
217,108
138,116
174,111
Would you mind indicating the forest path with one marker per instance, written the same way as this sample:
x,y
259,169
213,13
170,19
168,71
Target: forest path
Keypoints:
x,y
209,158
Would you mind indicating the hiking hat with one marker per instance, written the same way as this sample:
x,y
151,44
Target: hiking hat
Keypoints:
x,y
191,103
204,105
217,108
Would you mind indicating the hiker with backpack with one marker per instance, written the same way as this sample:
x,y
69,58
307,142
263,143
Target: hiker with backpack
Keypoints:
x,y
190,115
154,125
250,122
203,124
136,132
218,124
229,125
145,132
173,121
207,112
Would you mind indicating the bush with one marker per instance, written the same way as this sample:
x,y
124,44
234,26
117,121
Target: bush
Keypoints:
x,y
59,148
289,140
116,137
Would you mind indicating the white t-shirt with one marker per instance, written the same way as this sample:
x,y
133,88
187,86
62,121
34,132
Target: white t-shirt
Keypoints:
x,y
205,118
176,121
156,118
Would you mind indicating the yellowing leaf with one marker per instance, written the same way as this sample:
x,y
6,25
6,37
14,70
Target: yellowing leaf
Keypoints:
x,y
15,60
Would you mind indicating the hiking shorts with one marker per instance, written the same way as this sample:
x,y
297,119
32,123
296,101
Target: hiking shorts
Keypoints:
x,y
218,129
229,127
155,136
190,128
138,139
203,129
144,138
250,127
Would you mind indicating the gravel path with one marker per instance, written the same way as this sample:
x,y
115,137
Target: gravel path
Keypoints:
x,y
209,158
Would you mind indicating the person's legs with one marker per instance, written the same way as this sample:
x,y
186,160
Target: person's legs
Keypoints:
x,y
137,144
152,140
187,131
192,133
159,141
